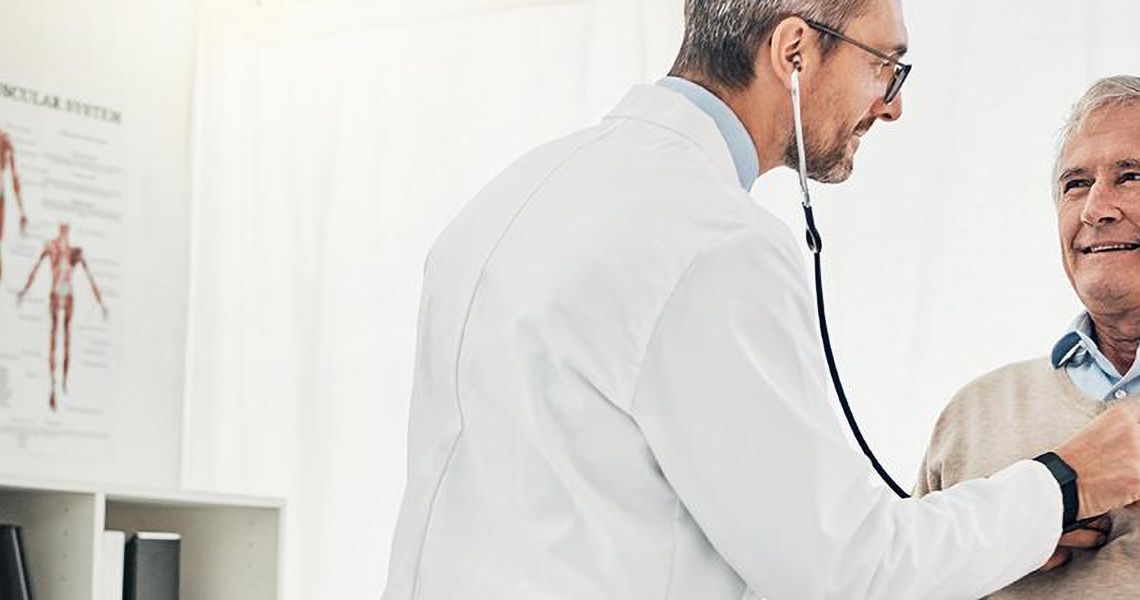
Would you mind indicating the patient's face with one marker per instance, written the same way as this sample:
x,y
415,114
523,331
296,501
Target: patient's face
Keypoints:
x,y
1099,211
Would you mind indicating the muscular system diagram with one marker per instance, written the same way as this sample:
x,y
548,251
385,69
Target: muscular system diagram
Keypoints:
x,y
63,258
8,165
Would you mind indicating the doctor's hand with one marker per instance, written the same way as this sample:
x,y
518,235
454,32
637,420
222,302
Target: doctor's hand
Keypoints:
x,y
1090,536
1106,458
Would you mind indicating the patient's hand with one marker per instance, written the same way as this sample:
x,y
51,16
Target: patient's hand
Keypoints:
x,y
1091,536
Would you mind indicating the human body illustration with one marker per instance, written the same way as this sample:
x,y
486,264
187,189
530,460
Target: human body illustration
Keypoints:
x,y
63,258
8,163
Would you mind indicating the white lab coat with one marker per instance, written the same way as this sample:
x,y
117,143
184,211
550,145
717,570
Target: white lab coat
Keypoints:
x,y
620,393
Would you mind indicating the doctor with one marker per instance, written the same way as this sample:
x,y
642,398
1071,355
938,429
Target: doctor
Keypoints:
x,y
619,390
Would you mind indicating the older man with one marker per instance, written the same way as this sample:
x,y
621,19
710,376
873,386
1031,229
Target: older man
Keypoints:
x,y
1022,409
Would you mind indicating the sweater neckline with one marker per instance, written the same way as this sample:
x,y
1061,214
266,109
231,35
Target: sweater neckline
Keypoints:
x,y
1090,406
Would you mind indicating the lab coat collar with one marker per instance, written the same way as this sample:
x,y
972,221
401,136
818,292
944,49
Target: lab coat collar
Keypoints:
x,y
731,128
664,107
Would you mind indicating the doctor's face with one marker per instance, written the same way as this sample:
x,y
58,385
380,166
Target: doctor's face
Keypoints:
x,y
1098,214
847,96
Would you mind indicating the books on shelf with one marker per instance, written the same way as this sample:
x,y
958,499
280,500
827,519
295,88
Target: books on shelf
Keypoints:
x,y
151,566
15,580
230,546
111,567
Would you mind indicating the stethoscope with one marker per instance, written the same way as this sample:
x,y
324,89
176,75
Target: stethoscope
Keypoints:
x,y
815,244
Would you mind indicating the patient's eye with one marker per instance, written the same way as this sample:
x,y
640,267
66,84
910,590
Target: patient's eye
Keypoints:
x,y
1073,184
1130,176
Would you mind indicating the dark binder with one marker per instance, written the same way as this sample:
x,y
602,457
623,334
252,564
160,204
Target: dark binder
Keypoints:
x,y
152,566
15,581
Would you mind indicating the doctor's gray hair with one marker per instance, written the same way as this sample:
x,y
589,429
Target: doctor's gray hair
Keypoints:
x,y
722,37
1110,91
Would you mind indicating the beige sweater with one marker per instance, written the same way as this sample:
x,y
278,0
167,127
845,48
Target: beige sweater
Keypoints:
x,y
1018,412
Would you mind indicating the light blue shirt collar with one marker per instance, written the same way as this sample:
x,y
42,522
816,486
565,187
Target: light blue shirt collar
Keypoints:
x,y
1088,368
739,142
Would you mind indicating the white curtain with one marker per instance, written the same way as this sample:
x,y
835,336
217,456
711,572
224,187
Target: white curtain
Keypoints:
x,y
333,144
335,140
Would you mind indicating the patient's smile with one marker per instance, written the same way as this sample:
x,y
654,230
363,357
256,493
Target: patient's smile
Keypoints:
x,y
1110,247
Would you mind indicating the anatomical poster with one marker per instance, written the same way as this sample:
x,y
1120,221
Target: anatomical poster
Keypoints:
x,y
61,239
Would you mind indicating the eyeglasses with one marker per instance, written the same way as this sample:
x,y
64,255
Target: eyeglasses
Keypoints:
x,y
901,69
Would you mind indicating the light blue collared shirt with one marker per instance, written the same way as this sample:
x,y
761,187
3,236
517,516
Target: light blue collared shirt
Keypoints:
x,y
1088,368
739,142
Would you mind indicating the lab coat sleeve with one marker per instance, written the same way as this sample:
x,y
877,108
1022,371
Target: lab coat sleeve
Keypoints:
x,y
732,400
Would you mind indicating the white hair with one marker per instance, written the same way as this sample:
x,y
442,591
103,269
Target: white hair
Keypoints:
x,y
1110,91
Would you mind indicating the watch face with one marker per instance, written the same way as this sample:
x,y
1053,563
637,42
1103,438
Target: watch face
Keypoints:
x,y
1061,471
1067,479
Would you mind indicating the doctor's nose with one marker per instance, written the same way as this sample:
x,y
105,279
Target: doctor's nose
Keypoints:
x,y
891,111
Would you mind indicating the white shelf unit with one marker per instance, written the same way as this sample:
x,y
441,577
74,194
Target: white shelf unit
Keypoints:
x,y
231,545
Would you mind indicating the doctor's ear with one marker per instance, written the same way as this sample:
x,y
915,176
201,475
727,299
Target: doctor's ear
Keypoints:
x,y
790,49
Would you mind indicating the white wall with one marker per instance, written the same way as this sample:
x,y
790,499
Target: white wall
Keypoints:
x,y
135,56
335,141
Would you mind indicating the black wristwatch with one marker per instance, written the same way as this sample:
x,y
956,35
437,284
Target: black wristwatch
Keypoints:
x,y
1067,478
